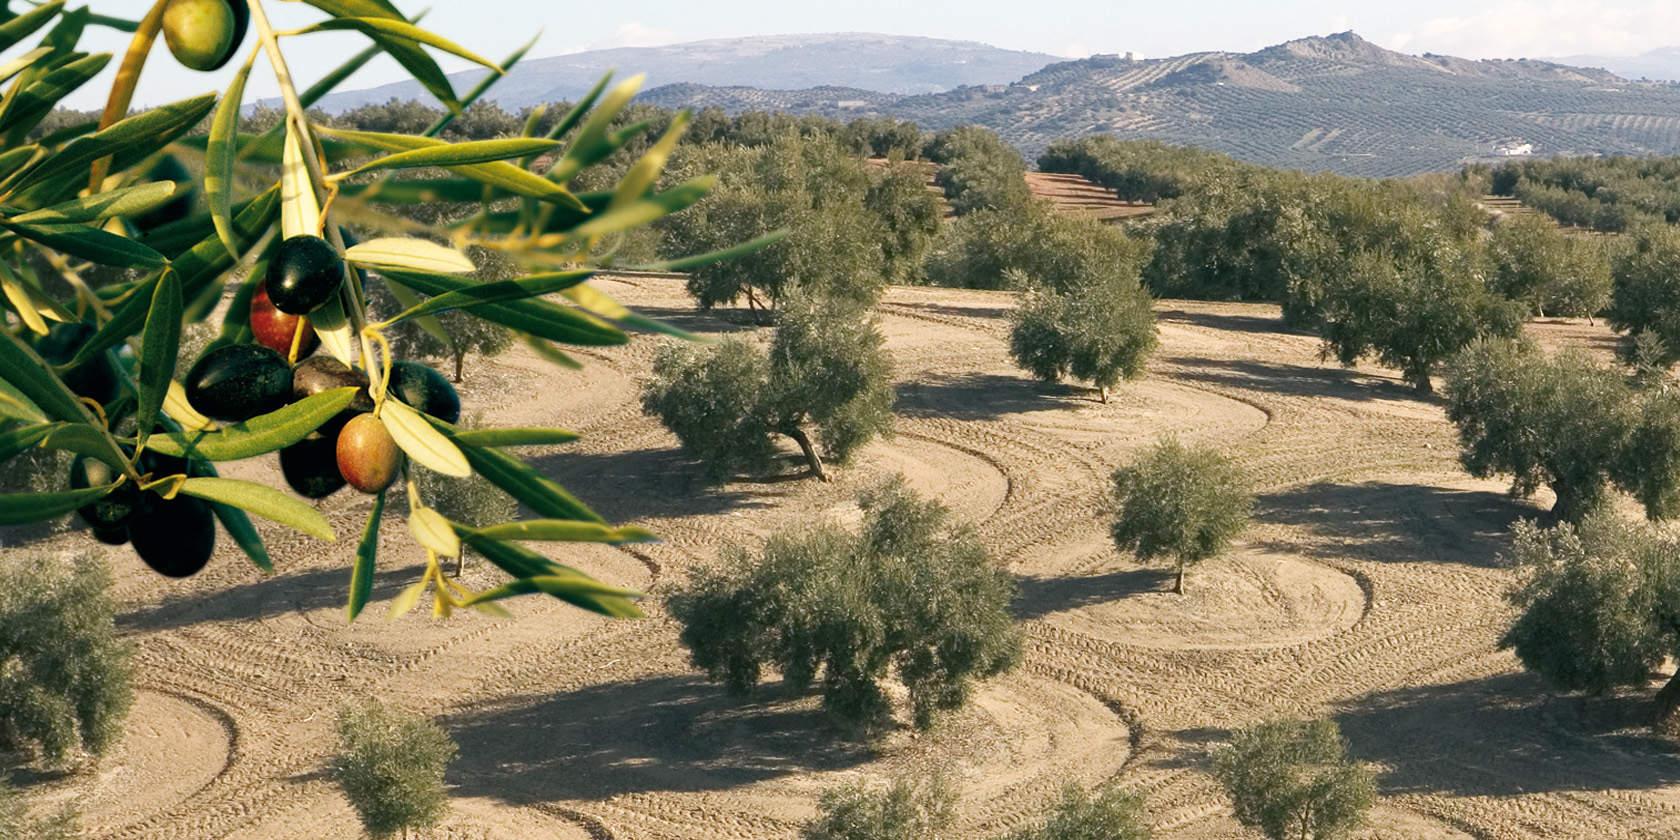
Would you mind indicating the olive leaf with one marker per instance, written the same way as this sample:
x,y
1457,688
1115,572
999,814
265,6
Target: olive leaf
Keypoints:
x,y
263,501
456,154
514,437
159,345
420,441
405,252
563,530
432,531
300,213
18,508
258,435
361,575
219,154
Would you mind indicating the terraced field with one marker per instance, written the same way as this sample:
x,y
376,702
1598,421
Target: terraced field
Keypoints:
x,y
1368,590
1071,195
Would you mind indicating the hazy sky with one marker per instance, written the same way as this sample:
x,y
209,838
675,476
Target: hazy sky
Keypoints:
x,y
1470,28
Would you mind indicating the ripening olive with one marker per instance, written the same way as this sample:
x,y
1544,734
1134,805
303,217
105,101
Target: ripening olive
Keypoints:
x,y
367,456
204,34
324,373
115,509
239,381
174,536
274,329
311,466
304,273
178,207
96,378
426,390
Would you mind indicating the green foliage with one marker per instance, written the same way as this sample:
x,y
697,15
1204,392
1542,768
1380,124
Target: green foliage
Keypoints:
x,y
1646,294
1535,263
16,824
810,186
1611,194
911,594
1183,502
1564,422
979,250
1113,814
65,688
913,216
978,171
882,137
826,368
391,766
1139,170
1292,780
909,809
1101,330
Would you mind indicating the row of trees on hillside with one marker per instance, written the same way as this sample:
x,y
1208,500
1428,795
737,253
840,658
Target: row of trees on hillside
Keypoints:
x,y
1611,194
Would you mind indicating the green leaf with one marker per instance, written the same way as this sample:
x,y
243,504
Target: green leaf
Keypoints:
x,y
126,142
529,487
641,177
514,437
219,153
26,109
432,531
525,564
535,285
158,347
585,592
406,600
125,201
16,440
32,377
18,508
84,439
592,143
499,174
537,317
89,243
236,523
574,116
641,211
258,435
420,441
300,210
24,25
732,252
409,300
410,253
456,154
416,190
565,530
405,51
361,575
263,501
15,405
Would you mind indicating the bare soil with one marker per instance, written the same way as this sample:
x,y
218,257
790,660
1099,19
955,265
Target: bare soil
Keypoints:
x,y
1369,590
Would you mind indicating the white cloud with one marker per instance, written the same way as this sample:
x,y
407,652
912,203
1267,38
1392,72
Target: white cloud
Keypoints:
x,y
632,34
1518,28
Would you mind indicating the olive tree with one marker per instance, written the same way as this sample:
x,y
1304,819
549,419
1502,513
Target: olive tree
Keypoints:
x,y
913,217
1565,422
1092,320
1292,780
1113,814
825,371
909,594
65,684
390,766
907,809
1183,502
1646,293
1600,606
1548,271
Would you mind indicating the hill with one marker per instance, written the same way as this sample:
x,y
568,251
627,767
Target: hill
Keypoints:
x,y
1336,103
1661,64
886,63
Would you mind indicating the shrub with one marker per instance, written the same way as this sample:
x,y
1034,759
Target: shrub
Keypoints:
x,y
826,370
1113,814
391,767
1646,293
1292,779
1184,502
1100,331
1537,264
65,686
1600,606
910,593
908,809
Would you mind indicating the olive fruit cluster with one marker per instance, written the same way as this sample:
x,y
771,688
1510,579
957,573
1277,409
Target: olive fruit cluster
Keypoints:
x,y
175,537
204,34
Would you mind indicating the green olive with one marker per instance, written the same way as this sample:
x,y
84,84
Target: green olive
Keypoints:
x,y
204,34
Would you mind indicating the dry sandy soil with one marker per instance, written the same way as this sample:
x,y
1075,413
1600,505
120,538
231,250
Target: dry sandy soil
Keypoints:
x,y
1368,590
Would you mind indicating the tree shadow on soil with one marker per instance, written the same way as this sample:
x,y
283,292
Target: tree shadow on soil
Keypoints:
x,y
1293,380
985,396
668,733
1227,322
641,483
1508,735
1394,522
986,312
271,596
1041,596
694,320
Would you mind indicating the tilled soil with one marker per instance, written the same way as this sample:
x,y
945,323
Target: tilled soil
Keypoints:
x,y
1369,590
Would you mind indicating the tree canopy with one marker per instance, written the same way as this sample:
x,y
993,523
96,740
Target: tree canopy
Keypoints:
x,y
1178,501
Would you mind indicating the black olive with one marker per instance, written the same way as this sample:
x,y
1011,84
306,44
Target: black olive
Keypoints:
x,y
117,508
425,389
174,536
204,34
168,168
311,466
304,273
96,378
324,373
112,535
238,382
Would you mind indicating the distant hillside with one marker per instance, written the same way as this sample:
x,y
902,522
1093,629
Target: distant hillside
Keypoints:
x,y
1662,64
886,63
1337,103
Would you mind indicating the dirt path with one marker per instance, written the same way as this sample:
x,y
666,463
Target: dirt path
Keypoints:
x,y
1368,590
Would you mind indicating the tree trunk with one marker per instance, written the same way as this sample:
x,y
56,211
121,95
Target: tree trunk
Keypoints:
x,y
810,451
460,561
1667,718
1178,588
1103,391
459,359
1423,383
